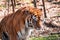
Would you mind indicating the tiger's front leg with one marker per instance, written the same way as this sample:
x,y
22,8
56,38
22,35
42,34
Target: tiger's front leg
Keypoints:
x,y
21,35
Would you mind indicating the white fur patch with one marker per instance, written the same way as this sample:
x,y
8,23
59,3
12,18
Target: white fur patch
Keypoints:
x,y
19,34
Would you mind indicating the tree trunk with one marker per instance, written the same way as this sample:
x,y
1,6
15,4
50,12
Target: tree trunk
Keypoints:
x,y
44,9
12,1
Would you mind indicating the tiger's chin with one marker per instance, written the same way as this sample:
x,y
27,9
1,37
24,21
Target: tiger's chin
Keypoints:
x,y
29,33
32,33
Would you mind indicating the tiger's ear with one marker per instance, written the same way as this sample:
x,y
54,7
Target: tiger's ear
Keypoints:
x,y
26,12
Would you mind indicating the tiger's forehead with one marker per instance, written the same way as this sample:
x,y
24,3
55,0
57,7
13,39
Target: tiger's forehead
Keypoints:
x,y
33,10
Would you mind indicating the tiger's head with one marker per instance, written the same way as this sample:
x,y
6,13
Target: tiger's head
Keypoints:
x,y
33,19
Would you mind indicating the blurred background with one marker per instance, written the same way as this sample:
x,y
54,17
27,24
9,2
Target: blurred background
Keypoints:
x,y
52,8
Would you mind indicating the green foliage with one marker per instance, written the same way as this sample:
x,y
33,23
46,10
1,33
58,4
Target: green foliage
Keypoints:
x,y
50,37
3,6
58,13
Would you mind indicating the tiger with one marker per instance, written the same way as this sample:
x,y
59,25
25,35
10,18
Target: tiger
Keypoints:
x,y
16,26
